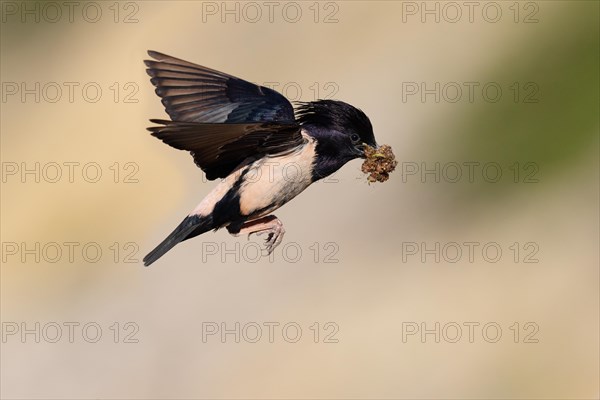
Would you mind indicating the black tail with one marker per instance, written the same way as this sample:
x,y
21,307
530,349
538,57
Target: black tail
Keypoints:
x,y
191,226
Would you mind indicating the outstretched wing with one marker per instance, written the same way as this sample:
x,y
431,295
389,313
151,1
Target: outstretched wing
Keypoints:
x,y
219,148
193,93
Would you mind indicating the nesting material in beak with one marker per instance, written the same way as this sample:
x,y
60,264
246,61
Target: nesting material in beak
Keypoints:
x,y
379,163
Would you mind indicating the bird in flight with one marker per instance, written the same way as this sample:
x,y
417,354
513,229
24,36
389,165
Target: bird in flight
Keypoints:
x,y
249,137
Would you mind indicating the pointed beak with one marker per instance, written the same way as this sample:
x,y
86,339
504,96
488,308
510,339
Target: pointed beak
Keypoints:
x,y
360,150
363,147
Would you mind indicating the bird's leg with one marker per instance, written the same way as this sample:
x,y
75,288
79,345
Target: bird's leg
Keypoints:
x,y
271,225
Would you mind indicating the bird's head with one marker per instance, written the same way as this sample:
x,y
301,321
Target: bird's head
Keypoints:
x,y
337,126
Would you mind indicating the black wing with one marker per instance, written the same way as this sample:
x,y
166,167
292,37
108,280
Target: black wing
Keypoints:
x,y
193,93
219,148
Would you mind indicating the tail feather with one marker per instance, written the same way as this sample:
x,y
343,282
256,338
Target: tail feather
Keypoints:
x,y
191,226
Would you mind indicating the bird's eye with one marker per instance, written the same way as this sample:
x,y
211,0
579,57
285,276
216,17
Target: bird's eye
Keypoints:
x,y
354,137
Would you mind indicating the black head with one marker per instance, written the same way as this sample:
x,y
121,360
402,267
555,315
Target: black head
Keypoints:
x,y
337,116
341,131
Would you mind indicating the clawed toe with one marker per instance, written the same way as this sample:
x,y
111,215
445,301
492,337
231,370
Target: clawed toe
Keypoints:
x,y
270,225
274,238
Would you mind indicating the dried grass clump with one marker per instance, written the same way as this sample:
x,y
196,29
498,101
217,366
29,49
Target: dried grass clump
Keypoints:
x,y
379,163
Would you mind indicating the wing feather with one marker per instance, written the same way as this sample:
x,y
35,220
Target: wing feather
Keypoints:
x,y
193,93
219,148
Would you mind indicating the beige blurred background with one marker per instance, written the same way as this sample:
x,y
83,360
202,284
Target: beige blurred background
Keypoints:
x,y
368,53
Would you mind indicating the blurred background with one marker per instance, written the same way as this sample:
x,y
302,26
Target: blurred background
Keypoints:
x,y
471,273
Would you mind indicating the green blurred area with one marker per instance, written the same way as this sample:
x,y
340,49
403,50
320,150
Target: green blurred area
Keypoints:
x,y
554,120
